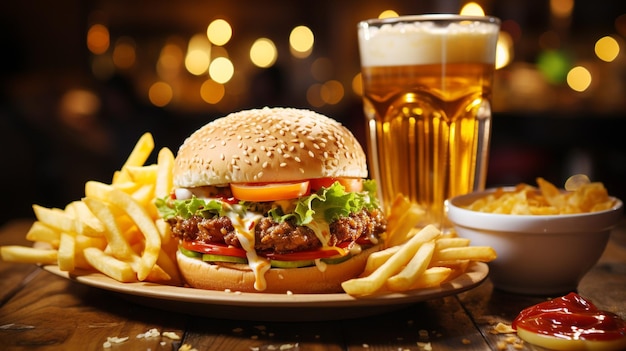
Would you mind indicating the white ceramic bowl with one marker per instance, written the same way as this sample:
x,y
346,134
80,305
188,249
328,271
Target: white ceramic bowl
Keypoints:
x,y
537,254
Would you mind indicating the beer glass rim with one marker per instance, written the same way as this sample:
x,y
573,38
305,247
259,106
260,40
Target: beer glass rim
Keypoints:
x,y
429,17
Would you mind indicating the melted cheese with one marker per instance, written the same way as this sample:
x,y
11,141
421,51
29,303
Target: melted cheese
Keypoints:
x,y
244,229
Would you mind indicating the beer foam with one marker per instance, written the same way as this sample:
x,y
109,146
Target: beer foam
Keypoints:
x,y
426,43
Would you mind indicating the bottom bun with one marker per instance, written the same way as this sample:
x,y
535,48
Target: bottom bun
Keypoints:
x,y
239,277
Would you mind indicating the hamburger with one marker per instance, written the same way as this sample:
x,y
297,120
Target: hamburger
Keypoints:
x,y
272,200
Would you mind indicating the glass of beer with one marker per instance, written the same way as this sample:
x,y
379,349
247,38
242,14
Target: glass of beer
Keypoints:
x,y
426,96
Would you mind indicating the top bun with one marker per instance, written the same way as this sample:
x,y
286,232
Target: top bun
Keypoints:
x,y
268,145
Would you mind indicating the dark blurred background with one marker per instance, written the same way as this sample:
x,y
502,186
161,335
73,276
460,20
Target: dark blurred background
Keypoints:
x,y
82,80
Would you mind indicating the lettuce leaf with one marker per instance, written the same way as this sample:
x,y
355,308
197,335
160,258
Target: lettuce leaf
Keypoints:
x,y
324,206
329,204
169,208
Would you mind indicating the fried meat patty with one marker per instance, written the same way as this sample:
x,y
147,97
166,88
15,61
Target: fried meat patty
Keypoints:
x,y
276,237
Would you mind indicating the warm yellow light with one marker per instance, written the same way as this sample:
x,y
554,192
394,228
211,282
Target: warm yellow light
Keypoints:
x,y
388,14
98,39
263,53
219,32
322,69
472,9
197,62
301,41
221,70
607,49
198,55
160,94
314,96
561,8
504,50
579,78
170,60
212,92
332,92
124,54
357,84
199,42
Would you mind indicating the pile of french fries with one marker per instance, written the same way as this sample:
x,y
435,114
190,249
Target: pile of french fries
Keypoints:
x,y
415,258
115,229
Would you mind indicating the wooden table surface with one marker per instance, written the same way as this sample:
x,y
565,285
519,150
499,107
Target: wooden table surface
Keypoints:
x,y
42,311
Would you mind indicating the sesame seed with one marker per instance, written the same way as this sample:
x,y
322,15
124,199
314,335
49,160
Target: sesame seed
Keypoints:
x,y
311,154
297,159
283,164
265,164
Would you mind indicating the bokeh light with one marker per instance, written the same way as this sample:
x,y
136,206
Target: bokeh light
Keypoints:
x,y
388,14
554,65
357,84
579,78
504,50
212,92
98,39
160,94
607,48
301,40
219,32
221,70
124,54
472,9
561,8
263,53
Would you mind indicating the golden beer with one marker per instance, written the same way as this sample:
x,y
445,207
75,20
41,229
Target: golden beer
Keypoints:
x,y
427,106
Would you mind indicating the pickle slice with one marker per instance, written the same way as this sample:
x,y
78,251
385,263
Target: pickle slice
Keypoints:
x,y
222,258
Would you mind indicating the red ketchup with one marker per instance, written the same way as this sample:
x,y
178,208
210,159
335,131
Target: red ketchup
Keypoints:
x,y
571,317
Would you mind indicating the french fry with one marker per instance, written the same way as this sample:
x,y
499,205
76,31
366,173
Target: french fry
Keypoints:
x,y
404,229
137,157
66,254
44,233
432,277
373,282
376,259
115,239
83,214
110,266
23,254
474,253
143,174
414,269
444,243
140,217
164,179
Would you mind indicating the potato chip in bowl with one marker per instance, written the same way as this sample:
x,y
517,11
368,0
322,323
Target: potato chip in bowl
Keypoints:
x,y
546,238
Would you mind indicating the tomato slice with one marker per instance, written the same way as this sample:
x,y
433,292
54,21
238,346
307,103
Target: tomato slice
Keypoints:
x,y
353,185
261,192
214,249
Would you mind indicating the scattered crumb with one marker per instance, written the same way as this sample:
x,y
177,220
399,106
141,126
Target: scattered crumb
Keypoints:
x,y
171,335
502,328
426,346
152,333
187,347
466,341
289,292
501,345
366,346
113,340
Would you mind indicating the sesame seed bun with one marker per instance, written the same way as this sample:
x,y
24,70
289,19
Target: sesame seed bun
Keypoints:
x,y
268,145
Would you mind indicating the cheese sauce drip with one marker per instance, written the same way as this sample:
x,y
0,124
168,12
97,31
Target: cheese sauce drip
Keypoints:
x,y
244,229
